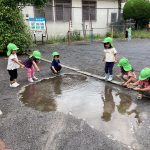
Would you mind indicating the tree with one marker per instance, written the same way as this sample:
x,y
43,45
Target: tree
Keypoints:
x,y
119,10
16,3
12,25
139,10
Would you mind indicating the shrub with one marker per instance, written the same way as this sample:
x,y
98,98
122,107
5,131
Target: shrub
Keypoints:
x,y
13,29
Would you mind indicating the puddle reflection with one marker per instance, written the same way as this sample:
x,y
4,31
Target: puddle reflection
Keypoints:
x,y
109,104
101,105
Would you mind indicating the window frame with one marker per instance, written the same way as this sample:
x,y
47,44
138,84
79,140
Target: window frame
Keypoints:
x,y
89,6
112,13
63,5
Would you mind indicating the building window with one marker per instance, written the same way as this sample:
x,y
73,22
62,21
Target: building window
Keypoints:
x,y
88,10
113,17
39,12
63,10
49,11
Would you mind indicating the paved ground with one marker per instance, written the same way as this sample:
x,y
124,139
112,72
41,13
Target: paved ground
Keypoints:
x,y
89,57
22,128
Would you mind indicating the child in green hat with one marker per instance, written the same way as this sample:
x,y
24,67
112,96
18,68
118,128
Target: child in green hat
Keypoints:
x,y
31,65
109,58
143,84
13,64
127,73
55,66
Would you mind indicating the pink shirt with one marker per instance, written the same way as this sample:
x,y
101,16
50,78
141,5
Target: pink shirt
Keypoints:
x,y
131,74
144,83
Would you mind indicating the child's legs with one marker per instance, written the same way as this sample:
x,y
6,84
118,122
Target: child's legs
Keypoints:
x,y
125,77
52,69
30,72
13,75
129,37
110,67
58,68
106,67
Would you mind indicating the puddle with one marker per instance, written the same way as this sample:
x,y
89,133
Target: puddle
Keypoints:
x,y
104,107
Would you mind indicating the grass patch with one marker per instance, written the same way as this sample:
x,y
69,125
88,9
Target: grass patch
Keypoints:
x,y
57,39
141,34
76,36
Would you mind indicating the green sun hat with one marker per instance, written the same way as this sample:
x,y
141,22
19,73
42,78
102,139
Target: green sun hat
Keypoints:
x,y
36,54
123,62
127,67
11,47
144,74
108,40
55,54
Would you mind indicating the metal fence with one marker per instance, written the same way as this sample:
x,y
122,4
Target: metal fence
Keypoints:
x,y
88,20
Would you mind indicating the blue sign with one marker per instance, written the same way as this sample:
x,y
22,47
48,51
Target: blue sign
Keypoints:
x,y
37,25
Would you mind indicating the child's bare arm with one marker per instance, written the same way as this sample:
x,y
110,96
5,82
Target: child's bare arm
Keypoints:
x,y
18,62
54,69
104,58
143,89
136,83
128,81
35,66
115,55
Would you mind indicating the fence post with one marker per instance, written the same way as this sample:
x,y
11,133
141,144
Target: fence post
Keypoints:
x,y
91,36
68,37
112,31
34,38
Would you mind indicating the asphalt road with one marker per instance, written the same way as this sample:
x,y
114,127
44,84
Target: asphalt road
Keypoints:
x,y
23,128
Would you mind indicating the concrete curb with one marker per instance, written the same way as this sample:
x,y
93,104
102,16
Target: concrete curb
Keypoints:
x,y
94,76
85,73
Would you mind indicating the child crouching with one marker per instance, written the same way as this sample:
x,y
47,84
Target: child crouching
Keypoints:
x,y
143,84
31,65
127,72
55,65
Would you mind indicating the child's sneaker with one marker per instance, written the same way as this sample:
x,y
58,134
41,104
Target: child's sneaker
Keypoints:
x,y
30,80
106,76
110,78
17,84
1,112
13,85
34,78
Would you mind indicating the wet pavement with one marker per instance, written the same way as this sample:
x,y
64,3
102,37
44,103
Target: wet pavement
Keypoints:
x,y
103,107
90,57
23,128
56,122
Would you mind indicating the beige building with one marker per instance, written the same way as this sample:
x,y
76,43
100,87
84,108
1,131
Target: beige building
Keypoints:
x,y
64,15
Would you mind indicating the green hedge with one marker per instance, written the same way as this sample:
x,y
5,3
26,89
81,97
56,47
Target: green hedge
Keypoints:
x,y
13,29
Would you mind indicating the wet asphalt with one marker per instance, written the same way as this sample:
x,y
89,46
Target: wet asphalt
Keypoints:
x,y
23,128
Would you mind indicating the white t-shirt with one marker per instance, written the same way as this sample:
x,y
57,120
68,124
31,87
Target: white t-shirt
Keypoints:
x,y
110,54
11,64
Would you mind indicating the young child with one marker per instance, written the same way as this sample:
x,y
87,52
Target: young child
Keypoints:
x,y
110,58
143,84
127,72
126,33
13,64
129,33
55,66
31,65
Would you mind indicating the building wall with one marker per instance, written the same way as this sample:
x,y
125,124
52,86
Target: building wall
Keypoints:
x,y
60,28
